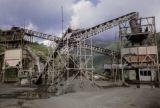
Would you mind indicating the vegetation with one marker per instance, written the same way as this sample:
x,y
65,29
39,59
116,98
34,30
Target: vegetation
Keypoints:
x,y
100,59
1,49
40,49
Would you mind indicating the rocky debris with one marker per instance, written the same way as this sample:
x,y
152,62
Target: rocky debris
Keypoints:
x,y
75,85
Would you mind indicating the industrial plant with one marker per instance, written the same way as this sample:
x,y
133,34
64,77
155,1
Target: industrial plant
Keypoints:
x,y
68,65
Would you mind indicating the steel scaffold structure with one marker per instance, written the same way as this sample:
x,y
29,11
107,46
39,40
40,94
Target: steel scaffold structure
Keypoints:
x,y
139,47
76,39
17,41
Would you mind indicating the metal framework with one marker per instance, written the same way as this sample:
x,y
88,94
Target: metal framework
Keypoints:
x,y
17,41
139,46
71,48
71,56
102,50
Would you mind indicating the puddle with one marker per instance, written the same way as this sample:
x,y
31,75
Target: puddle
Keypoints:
x,y
28,95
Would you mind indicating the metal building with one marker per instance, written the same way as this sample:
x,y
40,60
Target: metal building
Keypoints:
x,y
139,54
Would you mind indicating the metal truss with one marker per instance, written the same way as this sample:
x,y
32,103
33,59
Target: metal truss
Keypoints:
x,y
73,45
102,50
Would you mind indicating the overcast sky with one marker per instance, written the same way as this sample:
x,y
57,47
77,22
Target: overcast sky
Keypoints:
x,y
45,15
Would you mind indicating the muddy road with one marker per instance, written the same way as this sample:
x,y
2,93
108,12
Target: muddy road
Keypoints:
x,y
115,97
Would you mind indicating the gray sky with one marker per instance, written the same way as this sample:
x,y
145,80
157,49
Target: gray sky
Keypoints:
x,y
45,15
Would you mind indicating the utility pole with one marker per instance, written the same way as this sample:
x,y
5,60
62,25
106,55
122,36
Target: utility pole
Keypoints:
x,y
62,18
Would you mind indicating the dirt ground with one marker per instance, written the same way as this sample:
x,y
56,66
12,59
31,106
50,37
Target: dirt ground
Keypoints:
x,y
114,97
